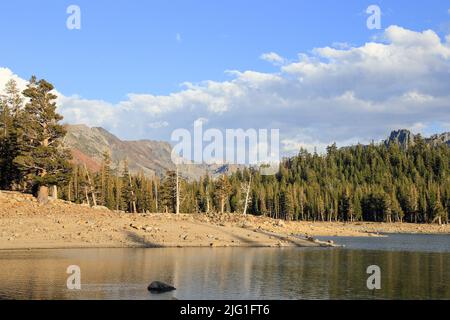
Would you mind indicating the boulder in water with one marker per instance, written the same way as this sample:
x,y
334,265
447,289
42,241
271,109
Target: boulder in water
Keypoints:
x,y
160,287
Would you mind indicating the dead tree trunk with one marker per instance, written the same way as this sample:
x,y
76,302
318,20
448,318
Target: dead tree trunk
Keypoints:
x,y
207,199
91,187
247,195
178,193
70,191
54,192
43,195
222,204
87,195
438,220
133,198
156,196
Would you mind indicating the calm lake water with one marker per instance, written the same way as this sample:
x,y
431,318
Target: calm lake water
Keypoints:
x,y
412,266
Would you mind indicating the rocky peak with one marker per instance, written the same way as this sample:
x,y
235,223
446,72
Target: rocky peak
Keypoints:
x,y
440,138
402,137
405,138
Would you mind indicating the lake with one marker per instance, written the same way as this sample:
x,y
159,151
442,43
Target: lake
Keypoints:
x,y
412,267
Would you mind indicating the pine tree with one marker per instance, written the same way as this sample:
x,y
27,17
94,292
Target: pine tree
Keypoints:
x,y
387,207
119,201
128,202
396,209
439,213
106,182
287,205
345,206
413,203
223,189
11,106
168,192
43,161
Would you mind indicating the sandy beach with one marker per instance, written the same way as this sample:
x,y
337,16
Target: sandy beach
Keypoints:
x,y
24,224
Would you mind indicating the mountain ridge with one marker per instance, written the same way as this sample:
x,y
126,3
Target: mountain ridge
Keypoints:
x,y
405,138
153,158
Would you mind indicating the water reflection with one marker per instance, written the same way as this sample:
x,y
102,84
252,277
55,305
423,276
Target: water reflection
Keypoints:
x,y
214,273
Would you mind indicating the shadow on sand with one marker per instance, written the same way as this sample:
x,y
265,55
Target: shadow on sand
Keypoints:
x,y
140,241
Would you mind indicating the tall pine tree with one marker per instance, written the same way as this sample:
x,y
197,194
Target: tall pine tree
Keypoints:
x,y
42,161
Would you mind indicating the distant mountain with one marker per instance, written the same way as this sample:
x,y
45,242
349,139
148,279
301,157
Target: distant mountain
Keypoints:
x,y
153,158
440,138
405,138
147,156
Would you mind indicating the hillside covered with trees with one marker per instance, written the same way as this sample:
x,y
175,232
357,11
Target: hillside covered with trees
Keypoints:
x,y
379,182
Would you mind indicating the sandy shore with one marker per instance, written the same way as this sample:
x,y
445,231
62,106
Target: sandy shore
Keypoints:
x,y
24,224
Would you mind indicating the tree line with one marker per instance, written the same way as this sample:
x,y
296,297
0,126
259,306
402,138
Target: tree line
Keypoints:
x,y
377,182
361,183
32,156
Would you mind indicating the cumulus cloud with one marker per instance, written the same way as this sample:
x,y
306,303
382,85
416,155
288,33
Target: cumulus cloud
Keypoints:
x,y
6,75
337,94
273,57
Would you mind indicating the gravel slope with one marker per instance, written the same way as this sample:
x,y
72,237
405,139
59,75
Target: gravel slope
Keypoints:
x,y
24,224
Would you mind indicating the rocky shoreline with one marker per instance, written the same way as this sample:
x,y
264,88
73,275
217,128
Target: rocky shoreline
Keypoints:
x,y
24,224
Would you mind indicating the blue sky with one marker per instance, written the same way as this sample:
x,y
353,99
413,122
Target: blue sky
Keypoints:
x,y
131,46
312,69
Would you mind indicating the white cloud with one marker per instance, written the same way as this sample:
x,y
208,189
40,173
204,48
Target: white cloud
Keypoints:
x,y
273,57
6,74
178,37
158,124
341,45
335,94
